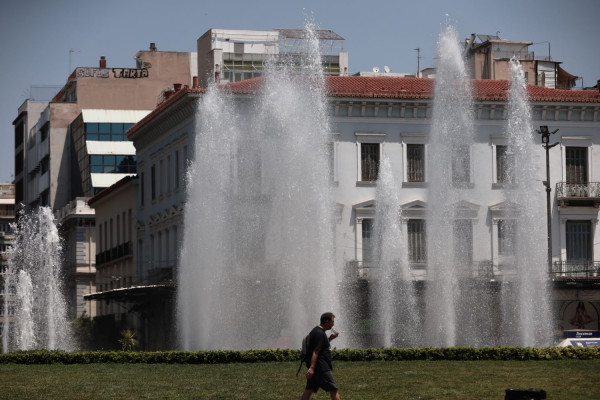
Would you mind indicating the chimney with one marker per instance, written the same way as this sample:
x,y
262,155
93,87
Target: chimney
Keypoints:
x,y
195,82
152,46
102,62
177,87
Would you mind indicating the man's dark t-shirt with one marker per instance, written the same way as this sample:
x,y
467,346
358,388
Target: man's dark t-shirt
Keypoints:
x,y
318,340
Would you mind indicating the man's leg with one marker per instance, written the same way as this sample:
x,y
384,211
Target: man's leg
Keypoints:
x,y
335,395
307,393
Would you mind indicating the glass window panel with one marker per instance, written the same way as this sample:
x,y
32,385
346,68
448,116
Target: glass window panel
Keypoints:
x,y
96,169
126,126
118,137
104,127
109,160
96,160
92,136
91,128
105,137
109,169
117,128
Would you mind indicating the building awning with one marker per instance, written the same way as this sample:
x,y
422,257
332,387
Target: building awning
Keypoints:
x,y
132,293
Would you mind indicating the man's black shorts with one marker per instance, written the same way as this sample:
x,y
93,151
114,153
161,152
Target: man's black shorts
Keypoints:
x,y
323,380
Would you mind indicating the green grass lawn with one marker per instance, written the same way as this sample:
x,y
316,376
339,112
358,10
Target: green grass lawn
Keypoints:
x,y
564,379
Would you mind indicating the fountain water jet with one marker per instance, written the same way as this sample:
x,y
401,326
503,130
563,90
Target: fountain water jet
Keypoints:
x,y
33,287
530,318
448,253
257,261
393,293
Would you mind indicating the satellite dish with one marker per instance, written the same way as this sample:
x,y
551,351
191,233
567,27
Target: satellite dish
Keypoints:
x,y
386,69
376,69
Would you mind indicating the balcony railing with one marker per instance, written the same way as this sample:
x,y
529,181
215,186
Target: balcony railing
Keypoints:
x,y
576,270
122,250
369,270
578,191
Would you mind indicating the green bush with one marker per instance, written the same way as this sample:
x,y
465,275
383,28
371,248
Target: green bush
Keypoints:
x,y
252,356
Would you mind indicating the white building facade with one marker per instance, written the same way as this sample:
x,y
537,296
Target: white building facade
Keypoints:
x,y
373,117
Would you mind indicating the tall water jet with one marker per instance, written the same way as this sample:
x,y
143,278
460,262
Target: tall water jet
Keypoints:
x,y
393,293
257,261
526,282
449,255
35,296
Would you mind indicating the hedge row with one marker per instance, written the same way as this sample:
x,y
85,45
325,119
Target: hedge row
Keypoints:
x,y
251,356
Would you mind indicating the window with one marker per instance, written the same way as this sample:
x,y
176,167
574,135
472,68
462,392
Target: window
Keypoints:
x,y
504,161
417,241
153,181
579,240
461,164
176,169
576,165
506,236
415,162
110,164
463,241
414,159
168,174
369,147
106,132
367,241
369,161
238,48
142,189
161,183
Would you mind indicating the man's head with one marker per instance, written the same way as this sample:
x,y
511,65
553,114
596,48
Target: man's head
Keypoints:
x,y
327,320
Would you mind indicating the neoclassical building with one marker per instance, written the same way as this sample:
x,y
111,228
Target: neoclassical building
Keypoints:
x,y
372,117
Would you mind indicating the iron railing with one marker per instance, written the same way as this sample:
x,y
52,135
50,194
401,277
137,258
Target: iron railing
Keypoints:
x,y
367,269
576,270
122,250
589,190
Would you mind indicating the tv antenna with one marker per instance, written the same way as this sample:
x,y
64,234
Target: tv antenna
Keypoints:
x,y
71,51
418,50
386,69
376,69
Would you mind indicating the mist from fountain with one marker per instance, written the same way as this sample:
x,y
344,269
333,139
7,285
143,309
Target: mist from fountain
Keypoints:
x,y
393,293
34,297
529,319
257,265
448,305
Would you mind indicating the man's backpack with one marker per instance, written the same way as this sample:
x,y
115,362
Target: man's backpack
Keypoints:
x,y
304,356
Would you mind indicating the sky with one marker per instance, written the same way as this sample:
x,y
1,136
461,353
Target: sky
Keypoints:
x,y
42,42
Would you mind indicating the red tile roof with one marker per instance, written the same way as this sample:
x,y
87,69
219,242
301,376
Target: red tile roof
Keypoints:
x,y
423,88
394,88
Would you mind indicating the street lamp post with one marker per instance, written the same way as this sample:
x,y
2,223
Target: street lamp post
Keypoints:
x,y
545,139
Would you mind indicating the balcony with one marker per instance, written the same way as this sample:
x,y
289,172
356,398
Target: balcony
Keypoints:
x,y
578,194
576,271
470,270
122,250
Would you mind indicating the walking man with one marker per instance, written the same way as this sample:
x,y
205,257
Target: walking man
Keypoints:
x,y
319,373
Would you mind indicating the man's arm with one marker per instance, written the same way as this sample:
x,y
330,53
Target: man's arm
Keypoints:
x,y
313,363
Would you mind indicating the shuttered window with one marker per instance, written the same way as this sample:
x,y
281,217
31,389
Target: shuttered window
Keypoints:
x,y
417,241
579,240
415,158
576,162
369,158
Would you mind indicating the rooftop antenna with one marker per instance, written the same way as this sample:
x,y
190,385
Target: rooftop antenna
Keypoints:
x,y
71,51
386,69
418,50
376,69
